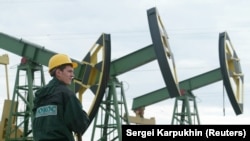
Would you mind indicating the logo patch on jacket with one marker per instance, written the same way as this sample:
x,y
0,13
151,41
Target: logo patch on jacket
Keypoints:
x,y
47,110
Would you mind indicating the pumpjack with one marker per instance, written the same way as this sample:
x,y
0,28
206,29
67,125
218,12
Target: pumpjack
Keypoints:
x,y
98,73
229,71
92,73
181,91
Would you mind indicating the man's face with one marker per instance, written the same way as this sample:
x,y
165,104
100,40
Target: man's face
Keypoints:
x,y
66,75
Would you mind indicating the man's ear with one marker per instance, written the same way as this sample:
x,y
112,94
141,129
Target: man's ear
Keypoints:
x,y
58,72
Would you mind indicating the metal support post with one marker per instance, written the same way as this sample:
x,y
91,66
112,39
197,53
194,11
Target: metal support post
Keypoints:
x,y
19,126
109,119
185,114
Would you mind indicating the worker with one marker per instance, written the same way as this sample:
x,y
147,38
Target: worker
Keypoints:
x,y
58,113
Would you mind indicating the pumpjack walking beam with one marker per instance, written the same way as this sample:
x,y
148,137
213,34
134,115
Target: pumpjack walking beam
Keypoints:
x,y
188,84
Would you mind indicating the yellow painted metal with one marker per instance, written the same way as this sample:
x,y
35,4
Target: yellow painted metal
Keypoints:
x,y
139,118
5,118
4,60
97,53
235,79
142,121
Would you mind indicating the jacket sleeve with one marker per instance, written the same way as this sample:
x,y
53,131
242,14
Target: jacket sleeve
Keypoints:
x,y
76,118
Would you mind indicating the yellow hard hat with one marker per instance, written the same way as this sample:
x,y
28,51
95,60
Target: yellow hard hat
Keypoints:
x,y
60,59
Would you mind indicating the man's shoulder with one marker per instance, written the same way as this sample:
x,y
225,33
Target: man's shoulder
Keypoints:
x,y
64,90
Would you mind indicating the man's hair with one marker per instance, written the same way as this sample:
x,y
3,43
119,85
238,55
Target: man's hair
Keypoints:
x,y
61,67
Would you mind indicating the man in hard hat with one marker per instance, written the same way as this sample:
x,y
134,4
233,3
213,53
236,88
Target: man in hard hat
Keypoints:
x,y
57,111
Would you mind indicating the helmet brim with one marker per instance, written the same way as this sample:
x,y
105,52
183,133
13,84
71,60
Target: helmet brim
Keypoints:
x,y
74,65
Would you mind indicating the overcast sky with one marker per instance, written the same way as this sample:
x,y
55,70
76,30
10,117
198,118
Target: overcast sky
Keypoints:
x,y
193,26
